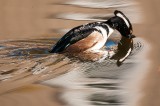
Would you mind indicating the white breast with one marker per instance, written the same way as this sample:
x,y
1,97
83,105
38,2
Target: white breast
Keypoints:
x,y
104,32
102,42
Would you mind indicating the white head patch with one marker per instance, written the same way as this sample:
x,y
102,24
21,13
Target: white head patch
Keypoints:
x,y
125,20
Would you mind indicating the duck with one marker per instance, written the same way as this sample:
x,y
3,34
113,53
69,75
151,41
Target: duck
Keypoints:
x,y
91,37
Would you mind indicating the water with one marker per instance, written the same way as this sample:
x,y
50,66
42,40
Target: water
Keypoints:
x,y
27,65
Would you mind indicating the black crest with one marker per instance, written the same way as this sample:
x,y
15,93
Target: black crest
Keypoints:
x,y
116,12
121,23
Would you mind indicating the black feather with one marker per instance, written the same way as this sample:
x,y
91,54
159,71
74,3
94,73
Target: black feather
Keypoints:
x,y
74,35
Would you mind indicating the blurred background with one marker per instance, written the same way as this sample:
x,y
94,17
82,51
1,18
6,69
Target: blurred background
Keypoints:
x,y
32,19
39,23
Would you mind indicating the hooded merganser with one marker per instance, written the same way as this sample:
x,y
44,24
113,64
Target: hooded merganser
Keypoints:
x,y
93,36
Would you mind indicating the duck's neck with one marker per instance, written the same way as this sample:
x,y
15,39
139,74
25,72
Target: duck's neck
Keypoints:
x,y
110,22
110,28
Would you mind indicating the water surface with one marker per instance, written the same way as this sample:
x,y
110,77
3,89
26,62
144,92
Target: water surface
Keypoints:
x,y
27,68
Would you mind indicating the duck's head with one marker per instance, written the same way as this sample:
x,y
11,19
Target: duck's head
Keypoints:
x,y
121,23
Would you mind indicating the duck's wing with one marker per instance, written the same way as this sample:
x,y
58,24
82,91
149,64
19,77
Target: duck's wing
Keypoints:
x,y
74,35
